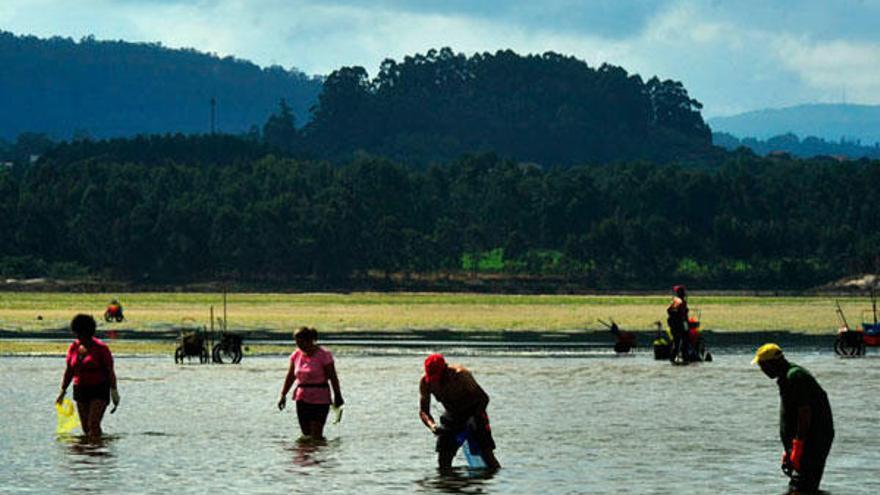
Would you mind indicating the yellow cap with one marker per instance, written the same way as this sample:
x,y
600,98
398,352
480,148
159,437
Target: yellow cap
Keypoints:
x,y
767,352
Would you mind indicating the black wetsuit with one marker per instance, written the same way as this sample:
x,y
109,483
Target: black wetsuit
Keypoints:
x,y
798,388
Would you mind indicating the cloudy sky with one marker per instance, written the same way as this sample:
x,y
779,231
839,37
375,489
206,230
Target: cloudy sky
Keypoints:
x,y
733,55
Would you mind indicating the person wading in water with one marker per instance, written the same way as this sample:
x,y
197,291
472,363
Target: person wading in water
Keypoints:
x,y
677,317
805,423
89,365
465,403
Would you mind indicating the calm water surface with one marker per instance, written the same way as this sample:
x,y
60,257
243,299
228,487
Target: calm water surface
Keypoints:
x,y
563,424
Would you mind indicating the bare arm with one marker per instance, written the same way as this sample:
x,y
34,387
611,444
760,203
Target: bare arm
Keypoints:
x,y
65,382
330,371
288,382
111,370
425,406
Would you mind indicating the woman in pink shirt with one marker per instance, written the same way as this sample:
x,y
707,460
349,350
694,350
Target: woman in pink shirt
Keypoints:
x,y
311,366
90,367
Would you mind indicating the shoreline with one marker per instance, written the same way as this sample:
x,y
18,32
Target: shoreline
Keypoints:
x,y
46,314
273,343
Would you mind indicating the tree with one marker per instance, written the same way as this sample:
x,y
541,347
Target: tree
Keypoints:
x,y
280,130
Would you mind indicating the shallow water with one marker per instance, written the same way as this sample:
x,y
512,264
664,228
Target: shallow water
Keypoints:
x,y
582,423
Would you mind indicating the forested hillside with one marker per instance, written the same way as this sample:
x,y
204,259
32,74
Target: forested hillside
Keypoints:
x,y
808,147
548,109
828,121
226,209
66,89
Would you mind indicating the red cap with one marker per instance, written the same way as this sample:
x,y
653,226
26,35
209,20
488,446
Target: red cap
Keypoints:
x,y
435,365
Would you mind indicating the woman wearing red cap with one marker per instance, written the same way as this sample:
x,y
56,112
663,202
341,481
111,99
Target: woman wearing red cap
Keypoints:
x,y
311,366
465,403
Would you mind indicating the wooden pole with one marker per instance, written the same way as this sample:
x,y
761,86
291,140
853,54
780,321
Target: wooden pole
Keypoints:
x,y
212,333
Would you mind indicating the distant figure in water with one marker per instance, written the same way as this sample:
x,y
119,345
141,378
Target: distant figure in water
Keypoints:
x,y
311,367
624,341
89,364
677,318
805,424
465,403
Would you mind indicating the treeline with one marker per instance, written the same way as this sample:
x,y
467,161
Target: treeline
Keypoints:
x,y
805,148
236,213
100,89
547,109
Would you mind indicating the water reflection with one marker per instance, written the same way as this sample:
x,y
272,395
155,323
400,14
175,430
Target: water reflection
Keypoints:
x,y
458,480
311,452
85,448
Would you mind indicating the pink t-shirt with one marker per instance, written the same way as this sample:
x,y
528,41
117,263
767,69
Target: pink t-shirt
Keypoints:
x,y
309,370
92,367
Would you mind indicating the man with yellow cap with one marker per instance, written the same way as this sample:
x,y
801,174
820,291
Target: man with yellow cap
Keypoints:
x,y
805,424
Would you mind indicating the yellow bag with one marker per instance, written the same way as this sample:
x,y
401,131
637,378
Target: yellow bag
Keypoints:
x,y
67,417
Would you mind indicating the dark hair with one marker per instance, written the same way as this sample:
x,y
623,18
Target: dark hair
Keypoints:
x,y
305,333
83,326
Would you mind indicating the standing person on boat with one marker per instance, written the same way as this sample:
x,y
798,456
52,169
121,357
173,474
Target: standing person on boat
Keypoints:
x,y
677,319
311,367
805,423
89,364
465,403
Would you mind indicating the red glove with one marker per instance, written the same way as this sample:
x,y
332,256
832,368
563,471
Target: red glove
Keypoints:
x,y
797,452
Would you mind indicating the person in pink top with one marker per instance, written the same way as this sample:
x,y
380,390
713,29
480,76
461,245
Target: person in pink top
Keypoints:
x,y
311,367
90,367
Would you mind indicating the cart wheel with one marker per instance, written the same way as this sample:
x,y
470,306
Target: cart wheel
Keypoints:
x,y
848,349
701,351
226,354
178,355
108,317
119,318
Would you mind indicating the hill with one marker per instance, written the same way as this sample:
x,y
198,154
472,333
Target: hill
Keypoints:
x,y
102,89
858,123
804,148
548,109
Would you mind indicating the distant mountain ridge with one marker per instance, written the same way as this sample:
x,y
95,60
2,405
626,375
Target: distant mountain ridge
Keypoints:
x,y
860,123
105,89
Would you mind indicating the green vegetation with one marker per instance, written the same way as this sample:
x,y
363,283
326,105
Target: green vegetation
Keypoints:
x,y
116,88
790,143
591,179
548,109
382,313
161,217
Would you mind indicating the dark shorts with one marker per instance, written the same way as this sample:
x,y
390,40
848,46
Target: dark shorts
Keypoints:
x,y
456,430
86,393
307,413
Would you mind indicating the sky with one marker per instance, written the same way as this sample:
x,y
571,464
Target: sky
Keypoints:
x,y
732,55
